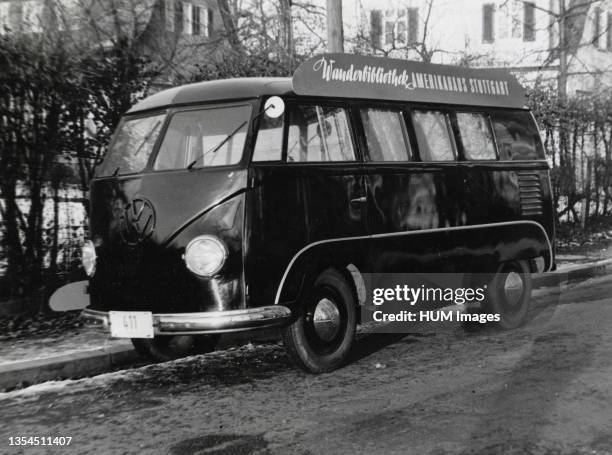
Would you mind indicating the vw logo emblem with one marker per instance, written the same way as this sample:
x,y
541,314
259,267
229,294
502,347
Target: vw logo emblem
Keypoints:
x,y
138,221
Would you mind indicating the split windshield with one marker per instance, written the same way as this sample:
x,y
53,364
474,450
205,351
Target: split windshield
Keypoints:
x,y
133,145
193,139
204,137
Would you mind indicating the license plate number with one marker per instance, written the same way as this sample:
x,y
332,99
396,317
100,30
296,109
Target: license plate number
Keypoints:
x,y
131,324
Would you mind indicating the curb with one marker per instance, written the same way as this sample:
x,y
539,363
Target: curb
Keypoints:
x,y
572,273
96,361
24,373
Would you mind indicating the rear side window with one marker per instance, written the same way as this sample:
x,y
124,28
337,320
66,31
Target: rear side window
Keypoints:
x,y
318,133
517,136
206,137
432,130
476,136
385,134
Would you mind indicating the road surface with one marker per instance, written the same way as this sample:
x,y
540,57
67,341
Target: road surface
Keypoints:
x,y
543,389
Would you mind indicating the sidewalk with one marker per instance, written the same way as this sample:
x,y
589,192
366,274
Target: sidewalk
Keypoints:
x,y
83,351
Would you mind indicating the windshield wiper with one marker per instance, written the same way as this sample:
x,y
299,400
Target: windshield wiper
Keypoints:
x,y
147,137
218,146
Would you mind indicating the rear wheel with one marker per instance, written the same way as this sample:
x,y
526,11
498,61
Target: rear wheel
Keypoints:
x,y
509,294
321,338
164,348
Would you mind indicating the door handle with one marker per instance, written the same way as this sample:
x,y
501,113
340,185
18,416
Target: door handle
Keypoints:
x,y
359,200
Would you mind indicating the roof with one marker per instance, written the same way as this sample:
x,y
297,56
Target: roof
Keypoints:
x,y
225,89
359,77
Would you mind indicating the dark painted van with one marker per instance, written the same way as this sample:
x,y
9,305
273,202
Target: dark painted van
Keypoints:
x,y
248,203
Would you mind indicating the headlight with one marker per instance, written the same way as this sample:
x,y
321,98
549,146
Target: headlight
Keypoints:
x,y
205,255
88,257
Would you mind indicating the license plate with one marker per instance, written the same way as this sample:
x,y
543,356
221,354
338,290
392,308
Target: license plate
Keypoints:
x,y
131,324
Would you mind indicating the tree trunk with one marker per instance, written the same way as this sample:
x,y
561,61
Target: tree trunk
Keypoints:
x,y
335,30
586,208
14,250
286,31
229,25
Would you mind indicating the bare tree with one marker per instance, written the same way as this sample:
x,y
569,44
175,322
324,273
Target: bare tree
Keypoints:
x,y
417,45
335,29
227,16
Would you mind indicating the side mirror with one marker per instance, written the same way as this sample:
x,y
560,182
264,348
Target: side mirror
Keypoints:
x,y
274,107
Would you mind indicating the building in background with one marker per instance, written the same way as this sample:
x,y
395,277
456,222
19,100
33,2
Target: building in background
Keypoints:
x,y
522,36
168,31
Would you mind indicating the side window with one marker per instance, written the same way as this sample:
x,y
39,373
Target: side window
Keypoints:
x,y
433,136
385,134
319,133
517,136
476,136
269,145
210,137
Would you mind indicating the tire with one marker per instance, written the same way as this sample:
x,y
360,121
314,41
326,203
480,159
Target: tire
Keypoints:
x,y
509,294
164,348
314,342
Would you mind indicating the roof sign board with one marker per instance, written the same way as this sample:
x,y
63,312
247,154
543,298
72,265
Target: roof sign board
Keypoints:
x,y
356,76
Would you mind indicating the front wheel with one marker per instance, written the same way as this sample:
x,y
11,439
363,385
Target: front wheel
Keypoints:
x,y
321,338
169,347
509,294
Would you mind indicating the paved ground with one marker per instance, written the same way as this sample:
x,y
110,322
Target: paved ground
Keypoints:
x,y
542,389
81,339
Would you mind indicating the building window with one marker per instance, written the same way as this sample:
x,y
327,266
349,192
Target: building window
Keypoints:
x,y
517,18
528,22
401,32
196,16
208,31
488,15
169,15
389,32
5,17
609,33
376,28
187,19
32,16
413,25
552,34
596,26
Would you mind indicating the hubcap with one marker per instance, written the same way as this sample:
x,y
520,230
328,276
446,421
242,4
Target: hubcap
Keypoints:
x,y
513,288
326,319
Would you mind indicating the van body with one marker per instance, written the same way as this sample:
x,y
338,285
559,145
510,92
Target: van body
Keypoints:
x,y
210,216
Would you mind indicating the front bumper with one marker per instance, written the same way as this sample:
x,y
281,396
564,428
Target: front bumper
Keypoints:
x,y
205,322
